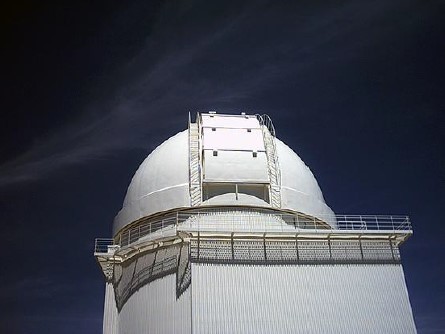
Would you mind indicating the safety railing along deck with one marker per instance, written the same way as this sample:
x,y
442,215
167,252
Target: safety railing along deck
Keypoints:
x,y
102,245
257,221
374,223
248,222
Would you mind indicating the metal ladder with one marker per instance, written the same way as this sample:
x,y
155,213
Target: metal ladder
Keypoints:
x,y
272,160
195,165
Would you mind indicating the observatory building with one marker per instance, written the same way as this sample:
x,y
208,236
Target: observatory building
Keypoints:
x,y
224,229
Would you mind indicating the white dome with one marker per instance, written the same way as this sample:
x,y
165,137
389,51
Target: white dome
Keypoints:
x,y
299,188
162,183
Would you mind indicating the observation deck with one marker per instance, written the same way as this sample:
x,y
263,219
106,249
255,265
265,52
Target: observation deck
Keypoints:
x,y
240,224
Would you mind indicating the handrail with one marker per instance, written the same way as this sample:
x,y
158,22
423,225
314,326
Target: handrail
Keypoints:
x,y
269,221
272,158
102,245
267,122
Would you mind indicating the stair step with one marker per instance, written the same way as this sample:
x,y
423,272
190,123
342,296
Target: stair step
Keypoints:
x,y
195,177
273,168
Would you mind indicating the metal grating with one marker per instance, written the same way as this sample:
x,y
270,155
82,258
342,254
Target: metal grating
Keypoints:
x,y
296,251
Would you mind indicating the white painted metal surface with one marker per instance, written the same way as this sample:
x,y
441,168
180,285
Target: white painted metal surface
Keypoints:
x,y
154,308
299,188
111,315
295,269
162,181
356,298
233,139
235,166
229,121
300,299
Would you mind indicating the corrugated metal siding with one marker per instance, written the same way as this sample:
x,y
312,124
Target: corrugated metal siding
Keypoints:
x,y
361,298
110,325
154,308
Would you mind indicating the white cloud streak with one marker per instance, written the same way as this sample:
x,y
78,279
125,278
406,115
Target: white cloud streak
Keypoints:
x,y
211,69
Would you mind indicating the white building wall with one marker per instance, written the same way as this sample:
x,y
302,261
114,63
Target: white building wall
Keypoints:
x,y
154,308
110,324
336,298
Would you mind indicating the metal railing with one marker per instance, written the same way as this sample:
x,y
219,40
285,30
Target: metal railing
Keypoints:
x,y
102,245
254,221
267,122
374,223
273,165
194,165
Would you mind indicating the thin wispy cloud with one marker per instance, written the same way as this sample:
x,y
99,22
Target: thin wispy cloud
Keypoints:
x,y
195,70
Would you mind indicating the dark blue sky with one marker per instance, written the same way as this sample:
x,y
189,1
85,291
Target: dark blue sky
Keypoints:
x,y
356,88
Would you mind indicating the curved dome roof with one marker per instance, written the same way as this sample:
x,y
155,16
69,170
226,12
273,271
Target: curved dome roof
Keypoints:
x,y
161,183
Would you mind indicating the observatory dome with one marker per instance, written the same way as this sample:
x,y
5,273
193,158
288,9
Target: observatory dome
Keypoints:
x,y
161,182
